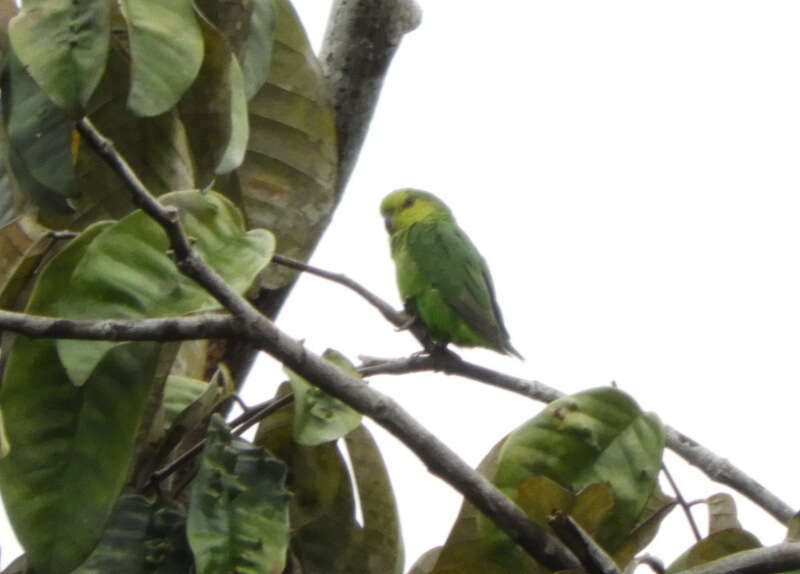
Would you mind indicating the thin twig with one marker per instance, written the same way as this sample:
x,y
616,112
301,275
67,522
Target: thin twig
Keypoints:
x,y
397,318
682,501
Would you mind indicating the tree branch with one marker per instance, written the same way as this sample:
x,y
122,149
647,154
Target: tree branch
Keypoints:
x,y
167,329
396,318
778,558
439,459
360,41
721,470
592,557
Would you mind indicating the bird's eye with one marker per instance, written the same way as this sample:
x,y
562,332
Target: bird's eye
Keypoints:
x,y
408,202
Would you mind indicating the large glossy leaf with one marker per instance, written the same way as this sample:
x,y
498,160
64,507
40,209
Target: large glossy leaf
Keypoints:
x,y
595,436
71,448
214,110
63,44
39,139
318,416
287,181
239,510
141,537
380,544
108,283
258,48
166,50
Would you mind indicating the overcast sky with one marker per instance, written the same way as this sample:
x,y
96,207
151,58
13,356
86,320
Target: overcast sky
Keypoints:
x,y
630,172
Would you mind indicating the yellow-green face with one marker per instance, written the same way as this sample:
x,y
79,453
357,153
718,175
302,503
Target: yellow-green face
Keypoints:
x,y
405,207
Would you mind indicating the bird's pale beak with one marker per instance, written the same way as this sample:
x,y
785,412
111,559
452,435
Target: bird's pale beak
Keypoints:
x,y
388,221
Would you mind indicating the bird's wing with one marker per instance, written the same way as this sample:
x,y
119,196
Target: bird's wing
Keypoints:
x,y
447,259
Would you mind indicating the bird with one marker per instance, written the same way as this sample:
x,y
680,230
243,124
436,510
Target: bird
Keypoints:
x,y
442,278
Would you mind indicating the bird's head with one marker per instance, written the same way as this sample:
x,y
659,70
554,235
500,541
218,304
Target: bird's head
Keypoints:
x,y
405,207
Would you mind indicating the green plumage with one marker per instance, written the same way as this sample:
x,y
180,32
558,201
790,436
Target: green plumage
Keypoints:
x,y
442,278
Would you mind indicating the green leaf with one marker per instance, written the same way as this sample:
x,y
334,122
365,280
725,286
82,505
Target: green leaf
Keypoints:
x,y
142,536
327,537
214,109
23,244
658,507
317,475
595,436
320,417
239,510
380,542
593,506
58,431
718,545
179,394
69,64
287,182
108,283
240,127
258,48
39,139
166,50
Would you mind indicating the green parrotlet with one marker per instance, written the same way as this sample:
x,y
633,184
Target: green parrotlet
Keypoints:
x,y
442,278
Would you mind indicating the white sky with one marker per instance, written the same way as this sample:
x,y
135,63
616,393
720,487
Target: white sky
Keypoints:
x,y
630,172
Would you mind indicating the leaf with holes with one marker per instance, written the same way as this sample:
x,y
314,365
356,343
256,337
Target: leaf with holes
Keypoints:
x,y
318,416
239,507
141,536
